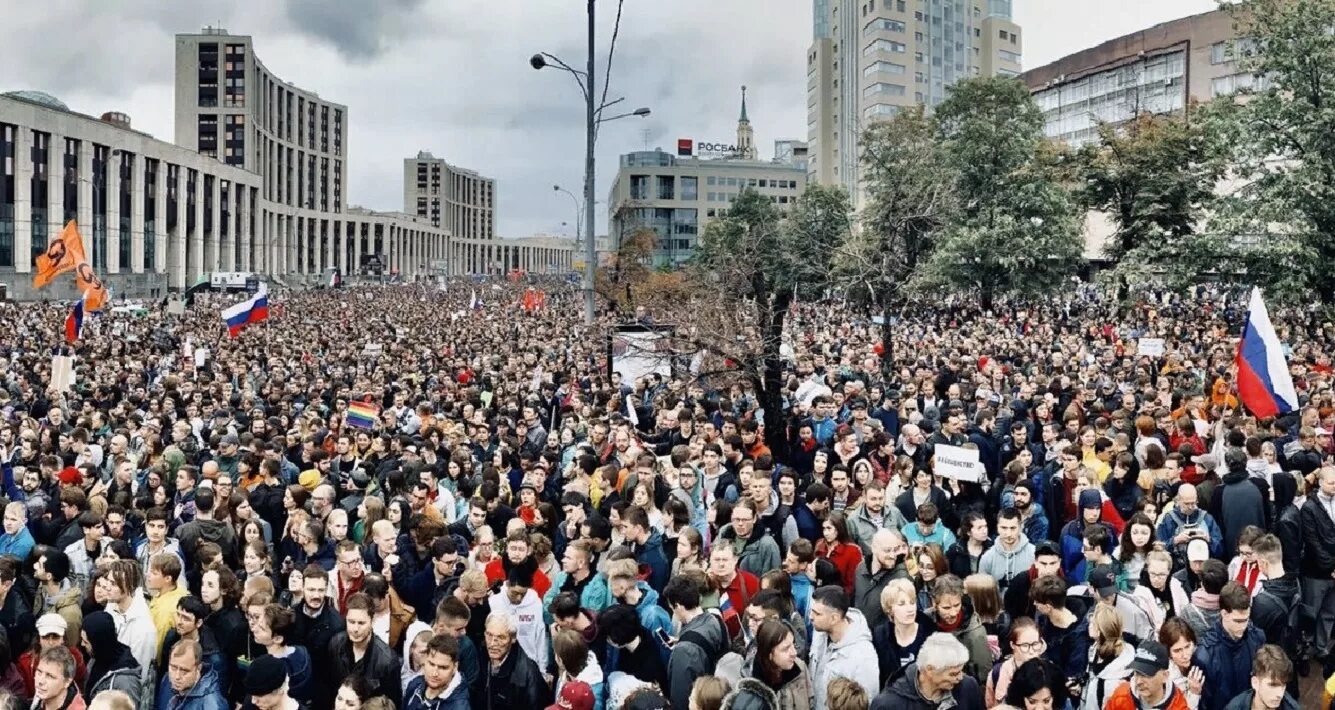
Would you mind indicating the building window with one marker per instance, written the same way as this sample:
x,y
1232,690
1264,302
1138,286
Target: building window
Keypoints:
x,y
710,180
208,74
639,187
689,188
884,25
666,187
884,66
883,88
150,213
125,200
880,111
884,45
8,137
1008,56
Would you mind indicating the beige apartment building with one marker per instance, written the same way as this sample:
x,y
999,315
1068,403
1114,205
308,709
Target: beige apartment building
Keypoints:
x,y
870,59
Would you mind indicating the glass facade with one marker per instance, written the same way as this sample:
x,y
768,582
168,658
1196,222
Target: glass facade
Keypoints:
x,y
125,200
1073,111
8,138
41,144
151,168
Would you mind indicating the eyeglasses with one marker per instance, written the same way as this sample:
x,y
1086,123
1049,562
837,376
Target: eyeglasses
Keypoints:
x,y
1032,646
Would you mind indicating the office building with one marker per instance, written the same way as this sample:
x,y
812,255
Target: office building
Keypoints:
x,y
1157,70
871,58
676,196
148,209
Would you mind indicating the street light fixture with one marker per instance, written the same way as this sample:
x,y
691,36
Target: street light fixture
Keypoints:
x,y
593,117
579,210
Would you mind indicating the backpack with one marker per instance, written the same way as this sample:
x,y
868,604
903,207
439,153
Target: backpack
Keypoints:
x,y
697,638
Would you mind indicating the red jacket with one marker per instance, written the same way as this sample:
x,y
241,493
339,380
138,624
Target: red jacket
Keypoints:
x,y
845,557
27,663
1121,699
496,573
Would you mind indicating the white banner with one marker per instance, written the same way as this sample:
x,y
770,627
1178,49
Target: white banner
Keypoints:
x,y
958,462
1152,347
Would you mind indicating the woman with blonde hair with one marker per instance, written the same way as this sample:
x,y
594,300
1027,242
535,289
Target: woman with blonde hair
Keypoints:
x,y
1109,657
902,633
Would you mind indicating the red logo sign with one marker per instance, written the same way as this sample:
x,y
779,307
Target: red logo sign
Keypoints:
x,y
685,146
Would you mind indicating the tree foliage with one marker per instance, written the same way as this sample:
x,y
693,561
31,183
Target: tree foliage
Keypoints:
x,y
753,261
1154,177
910,196
1016,230
1282,209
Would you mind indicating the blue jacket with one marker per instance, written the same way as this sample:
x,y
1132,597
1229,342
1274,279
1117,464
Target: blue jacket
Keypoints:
x,y
595,596
803,586
650,555
17,545
1073,546
941,535
1036,525
653,617
1227,663
455,696
1174,521
204,696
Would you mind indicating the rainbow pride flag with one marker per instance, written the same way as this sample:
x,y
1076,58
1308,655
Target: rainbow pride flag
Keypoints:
x,y
362,415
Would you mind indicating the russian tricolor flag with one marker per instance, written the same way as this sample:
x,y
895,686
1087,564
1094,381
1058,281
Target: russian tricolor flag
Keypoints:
x,y
1264,383
252,311
74,322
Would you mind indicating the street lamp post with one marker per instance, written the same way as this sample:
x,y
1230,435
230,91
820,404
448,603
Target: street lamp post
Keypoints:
x,y
579,211
592,118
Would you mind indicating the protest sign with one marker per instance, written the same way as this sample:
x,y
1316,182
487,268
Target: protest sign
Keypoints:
x,y
1152,347
958,463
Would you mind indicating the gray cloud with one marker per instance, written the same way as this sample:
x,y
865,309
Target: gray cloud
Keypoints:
x,y
360,30
452,77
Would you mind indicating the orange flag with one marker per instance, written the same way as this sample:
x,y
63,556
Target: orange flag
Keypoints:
x,y
61,255
94,292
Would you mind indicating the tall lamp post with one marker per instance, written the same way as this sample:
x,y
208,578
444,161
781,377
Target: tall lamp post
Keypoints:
x,y
593,109
579,210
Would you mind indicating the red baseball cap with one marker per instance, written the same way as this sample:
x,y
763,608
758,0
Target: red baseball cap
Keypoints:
x,y
575,695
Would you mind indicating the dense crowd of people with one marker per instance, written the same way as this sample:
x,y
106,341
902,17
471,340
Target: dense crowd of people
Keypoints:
x,y
200,522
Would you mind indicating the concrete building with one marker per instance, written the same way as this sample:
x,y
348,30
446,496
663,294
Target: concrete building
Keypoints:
x,y
677,195
870,59
455,199
231,107
150,211
1162,69
1158,70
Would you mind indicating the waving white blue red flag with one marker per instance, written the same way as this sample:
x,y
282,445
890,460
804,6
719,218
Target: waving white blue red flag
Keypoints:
x,y
246,312
74,322
1264,383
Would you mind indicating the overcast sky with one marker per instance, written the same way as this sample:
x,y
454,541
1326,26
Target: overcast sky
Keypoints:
x,y
452,76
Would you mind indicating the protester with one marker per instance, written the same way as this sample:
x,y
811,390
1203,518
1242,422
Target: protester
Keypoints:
x,y
380,439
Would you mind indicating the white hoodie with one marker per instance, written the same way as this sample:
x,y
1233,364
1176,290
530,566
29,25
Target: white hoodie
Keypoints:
x,y
528,620
592,674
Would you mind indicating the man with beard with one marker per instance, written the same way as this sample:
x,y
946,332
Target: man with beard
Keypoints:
x,y
1033,520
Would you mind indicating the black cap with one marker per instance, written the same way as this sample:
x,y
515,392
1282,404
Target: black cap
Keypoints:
x,y
1151,658
1047,547
1103,579
266,675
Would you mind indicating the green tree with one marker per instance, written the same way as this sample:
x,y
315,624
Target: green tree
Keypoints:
x,y
1283,209
754,261
1154,177
910,195
1016,230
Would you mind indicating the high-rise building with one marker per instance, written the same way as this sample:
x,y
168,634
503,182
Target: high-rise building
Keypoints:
x,y
453,198
871,58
